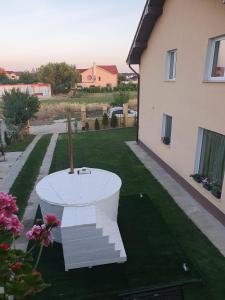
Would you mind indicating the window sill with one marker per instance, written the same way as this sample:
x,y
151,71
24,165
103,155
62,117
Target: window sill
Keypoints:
x,y
213,81
205,187
170,80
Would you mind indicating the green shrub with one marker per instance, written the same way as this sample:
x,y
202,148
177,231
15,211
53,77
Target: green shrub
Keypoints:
x,y
120,98
97,126
87,126
114,121
105,121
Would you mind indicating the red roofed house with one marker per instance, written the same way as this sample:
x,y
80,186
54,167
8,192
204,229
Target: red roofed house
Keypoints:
x,y
10,74
99,76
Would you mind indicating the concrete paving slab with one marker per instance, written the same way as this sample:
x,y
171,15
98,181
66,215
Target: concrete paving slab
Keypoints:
x,y
207,223
8,180
8,163
33,202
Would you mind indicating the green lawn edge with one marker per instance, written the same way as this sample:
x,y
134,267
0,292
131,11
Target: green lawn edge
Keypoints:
x,y
20,145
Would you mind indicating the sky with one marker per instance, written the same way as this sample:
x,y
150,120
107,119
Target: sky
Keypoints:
x,y
78,32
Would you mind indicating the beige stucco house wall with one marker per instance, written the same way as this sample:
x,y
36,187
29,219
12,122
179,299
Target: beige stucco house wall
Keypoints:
x,y
99,76
192,102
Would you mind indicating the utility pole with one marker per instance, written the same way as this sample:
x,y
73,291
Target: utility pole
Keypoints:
x,y
70,142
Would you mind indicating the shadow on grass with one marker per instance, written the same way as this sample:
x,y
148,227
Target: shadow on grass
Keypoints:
x,y
154,258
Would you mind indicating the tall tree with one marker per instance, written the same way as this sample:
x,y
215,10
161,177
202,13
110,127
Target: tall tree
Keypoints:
x,y
28,77
61,76
19,107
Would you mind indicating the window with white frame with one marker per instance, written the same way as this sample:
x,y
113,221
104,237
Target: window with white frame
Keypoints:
x,y
210,161
216,59
166,129
171,62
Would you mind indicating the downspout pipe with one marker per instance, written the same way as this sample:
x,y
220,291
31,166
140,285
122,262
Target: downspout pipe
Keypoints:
x,y
138,102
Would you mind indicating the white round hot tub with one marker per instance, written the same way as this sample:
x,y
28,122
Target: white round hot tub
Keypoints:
x,y
86,202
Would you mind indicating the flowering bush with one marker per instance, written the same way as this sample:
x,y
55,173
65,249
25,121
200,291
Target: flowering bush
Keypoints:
x,y
18,275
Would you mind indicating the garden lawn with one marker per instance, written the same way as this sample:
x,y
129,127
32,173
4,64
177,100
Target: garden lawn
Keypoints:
x,y
158,236
25,181
20,145
87,98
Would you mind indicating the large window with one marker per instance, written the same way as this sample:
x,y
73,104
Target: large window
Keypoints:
x,y
216,59
212,160
171,65
166,129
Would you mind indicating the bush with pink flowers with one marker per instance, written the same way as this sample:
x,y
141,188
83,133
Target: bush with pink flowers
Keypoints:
x,y
18,270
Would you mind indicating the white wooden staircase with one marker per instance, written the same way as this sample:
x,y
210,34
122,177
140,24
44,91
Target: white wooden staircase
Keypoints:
x,y
90,238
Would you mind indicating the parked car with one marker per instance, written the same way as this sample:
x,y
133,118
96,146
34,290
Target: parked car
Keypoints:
x,y
118,111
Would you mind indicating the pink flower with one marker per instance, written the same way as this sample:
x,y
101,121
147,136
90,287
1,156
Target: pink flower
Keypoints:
x,y
16,266
7,204
11,223
4,247
52,220
40,233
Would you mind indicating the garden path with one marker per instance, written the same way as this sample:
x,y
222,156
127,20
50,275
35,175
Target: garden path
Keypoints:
x,y
31,209
10,175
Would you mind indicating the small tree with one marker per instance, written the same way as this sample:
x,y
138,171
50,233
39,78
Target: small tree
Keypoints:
x,y
18,108
97,126
120,98
114,121
105,121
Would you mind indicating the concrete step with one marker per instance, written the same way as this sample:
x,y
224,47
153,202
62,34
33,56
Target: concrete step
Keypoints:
x,y
92,263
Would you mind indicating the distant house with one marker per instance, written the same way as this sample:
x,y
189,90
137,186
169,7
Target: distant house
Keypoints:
x,y
42,90
14,75
129,78
180,49
99,76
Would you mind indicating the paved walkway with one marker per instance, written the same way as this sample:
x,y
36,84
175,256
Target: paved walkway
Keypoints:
x,y
207,223
31,209
12,174
7,163
59,126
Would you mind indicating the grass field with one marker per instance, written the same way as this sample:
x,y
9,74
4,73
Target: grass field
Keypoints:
x,y
157,242
25,181
87,98
20,145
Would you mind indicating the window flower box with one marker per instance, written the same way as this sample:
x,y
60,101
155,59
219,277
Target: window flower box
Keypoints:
x,y
197,177
166,140
216,191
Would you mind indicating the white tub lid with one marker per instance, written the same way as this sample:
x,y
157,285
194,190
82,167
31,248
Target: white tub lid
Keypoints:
x,y
64,189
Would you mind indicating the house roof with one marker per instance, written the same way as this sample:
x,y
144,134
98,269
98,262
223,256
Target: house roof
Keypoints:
x,y
2,71
13,72
82,70
152,11
110,68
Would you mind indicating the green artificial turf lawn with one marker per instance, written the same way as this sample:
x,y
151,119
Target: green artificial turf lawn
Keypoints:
x,y
25,181
154,258
21,144
170,230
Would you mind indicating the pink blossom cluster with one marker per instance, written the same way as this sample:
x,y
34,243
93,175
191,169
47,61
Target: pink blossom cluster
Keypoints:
x,y
8,220
7,204
42,233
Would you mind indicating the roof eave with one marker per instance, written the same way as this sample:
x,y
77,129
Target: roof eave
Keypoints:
x,y
152,11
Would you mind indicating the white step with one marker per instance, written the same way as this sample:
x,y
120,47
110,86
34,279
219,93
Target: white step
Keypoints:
x,y
93,263
111,229
90,238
